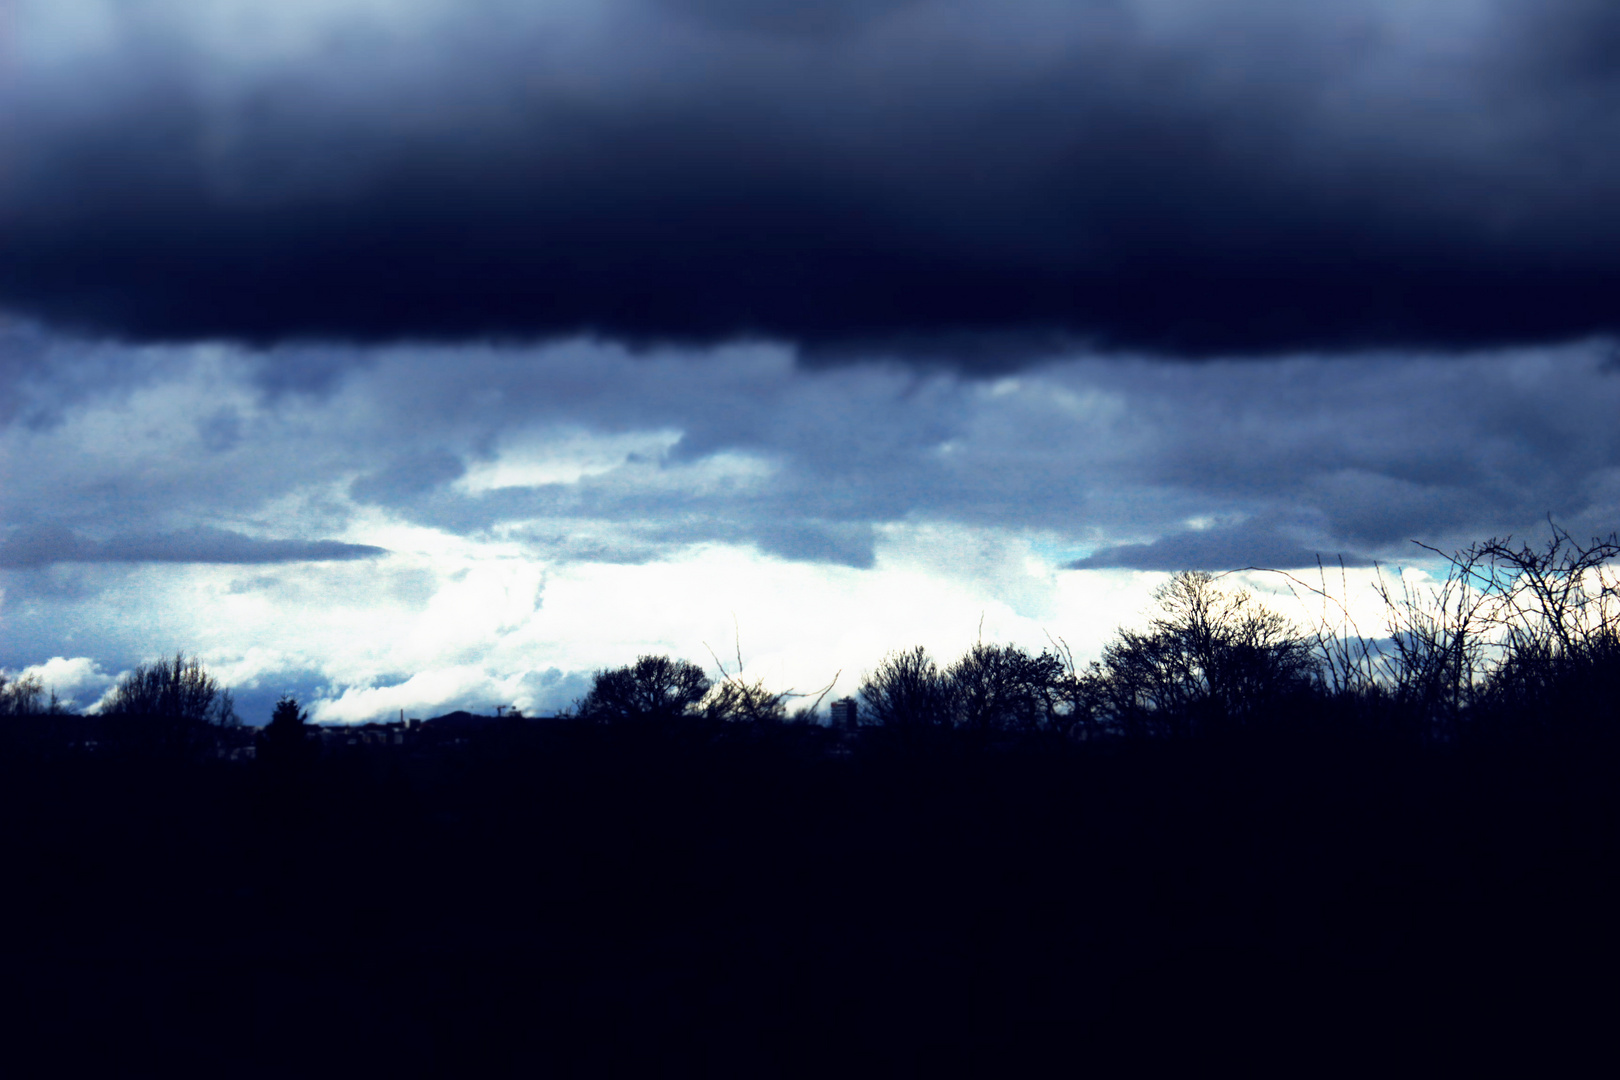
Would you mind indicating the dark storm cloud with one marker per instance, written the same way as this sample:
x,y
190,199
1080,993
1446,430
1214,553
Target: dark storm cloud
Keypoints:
x,y
911,177
44,545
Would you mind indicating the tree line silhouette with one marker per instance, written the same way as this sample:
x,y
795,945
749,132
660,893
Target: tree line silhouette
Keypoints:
x,y
1515,637
1230,840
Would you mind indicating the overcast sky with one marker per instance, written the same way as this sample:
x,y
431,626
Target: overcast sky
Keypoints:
x,y
433,353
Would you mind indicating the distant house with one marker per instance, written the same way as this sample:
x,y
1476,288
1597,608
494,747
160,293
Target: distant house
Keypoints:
x,y
451,729
237,743
391,733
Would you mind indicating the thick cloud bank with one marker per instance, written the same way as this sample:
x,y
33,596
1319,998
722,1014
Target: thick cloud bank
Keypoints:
x,y
1193,177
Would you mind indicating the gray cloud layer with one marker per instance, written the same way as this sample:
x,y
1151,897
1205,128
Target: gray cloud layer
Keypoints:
x,y
917,176
1231,547
1279,461
45,545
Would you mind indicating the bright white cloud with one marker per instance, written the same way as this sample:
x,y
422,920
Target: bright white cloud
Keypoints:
x,y
77,681
482,627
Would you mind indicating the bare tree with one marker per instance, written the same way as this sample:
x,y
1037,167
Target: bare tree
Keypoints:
x,y
907,690
653,688
1004,688
736,700
180,689
1212,654
170,704
20,694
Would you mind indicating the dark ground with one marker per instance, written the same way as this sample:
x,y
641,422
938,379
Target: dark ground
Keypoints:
x,y
601,902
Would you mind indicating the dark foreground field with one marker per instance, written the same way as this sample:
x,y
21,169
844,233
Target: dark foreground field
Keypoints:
x,y
597,901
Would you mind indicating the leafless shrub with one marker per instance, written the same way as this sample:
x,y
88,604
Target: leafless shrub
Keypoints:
x,y
1507,624
1557,615
1557,597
